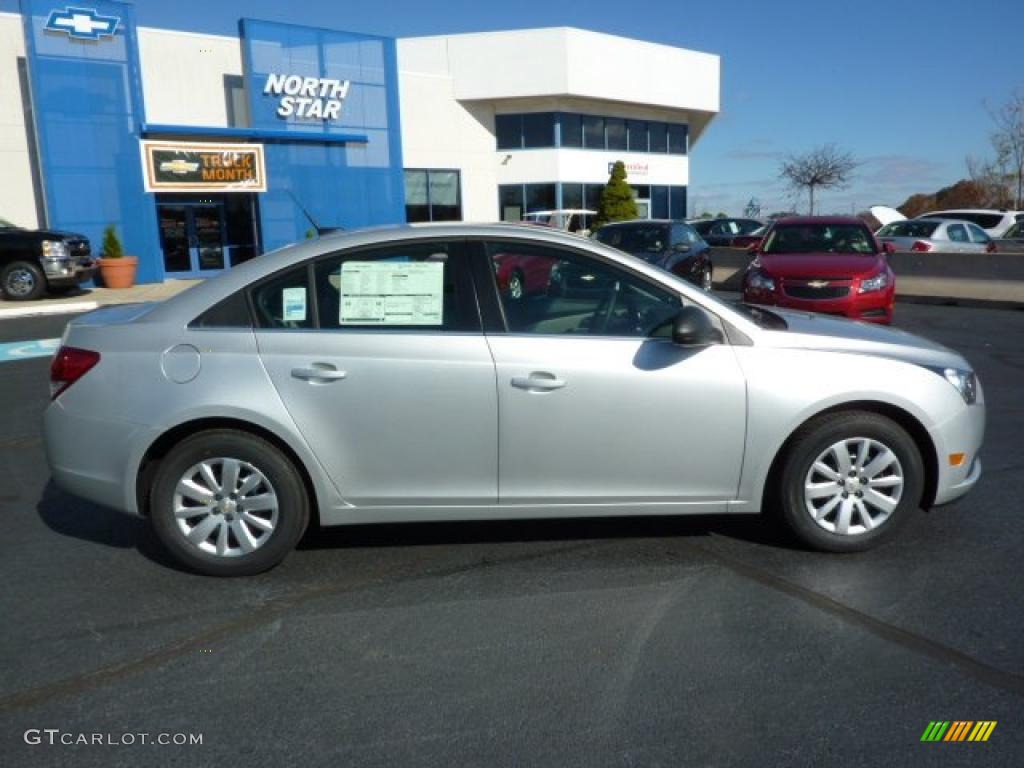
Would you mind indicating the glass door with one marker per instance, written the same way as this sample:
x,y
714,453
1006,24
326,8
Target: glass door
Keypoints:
x,y
192,237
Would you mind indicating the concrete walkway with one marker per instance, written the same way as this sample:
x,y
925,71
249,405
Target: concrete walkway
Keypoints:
x,y
86,299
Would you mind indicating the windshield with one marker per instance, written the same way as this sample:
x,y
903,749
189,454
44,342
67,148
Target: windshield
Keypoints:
x,y
5,224
909,229
636,240
819,238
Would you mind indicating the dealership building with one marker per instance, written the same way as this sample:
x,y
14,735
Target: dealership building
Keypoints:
x,y
206,150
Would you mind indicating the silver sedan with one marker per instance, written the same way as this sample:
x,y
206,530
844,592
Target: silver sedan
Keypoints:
x,y
389,376
941,235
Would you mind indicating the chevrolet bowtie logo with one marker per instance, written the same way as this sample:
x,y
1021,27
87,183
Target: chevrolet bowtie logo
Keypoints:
x,y
179,167
818,283
82,23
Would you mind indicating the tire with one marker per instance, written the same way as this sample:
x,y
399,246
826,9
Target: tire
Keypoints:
x,y
238,541
22,281
814,477
707,278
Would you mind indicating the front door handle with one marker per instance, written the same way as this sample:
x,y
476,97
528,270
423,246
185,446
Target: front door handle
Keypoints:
x,y
537,382
319,372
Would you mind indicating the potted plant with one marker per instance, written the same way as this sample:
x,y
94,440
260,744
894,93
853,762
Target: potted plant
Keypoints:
x,y
117,270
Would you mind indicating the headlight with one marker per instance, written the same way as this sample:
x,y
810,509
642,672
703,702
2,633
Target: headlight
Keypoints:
x,y
876,283
760,282
54,249
966,382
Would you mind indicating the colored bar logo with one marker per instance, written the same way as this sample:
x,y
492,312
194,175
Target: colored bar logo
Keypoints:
x,y
958,730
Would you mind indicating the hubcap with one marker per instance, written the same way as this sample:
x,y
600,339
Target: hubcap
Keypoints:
x,y
20,282
515,287
853,486
225,507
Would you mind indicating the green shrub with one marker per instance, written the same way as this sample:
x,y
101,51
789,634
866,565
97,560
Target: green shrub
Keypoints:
x,y
111,243
617,202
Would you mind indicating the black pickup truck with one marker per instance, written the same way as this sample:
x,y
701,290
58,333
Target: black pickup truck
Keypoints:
x,y
34,260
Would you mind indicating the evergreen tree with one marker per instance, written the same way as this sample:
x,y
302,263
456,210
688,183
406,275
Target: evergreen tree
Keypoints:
x,y
617,203
111,248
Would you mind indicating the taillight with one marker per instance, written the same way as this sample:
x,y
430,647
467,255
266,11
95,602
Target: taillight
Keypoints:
x,y
68,366
920,246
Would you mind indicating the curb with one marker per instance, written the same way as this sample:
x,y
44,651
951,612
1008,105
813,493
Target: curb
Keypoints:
x,y
49,309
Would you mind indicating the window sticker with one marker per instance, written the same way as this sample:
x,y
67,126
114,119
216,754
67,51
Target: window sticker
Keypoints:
x,y
391,293
294,302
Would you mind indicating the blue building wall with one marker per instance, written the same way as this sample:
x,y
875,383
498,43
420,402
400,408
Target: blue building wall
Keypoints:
x,y
354,177
89,117
87,105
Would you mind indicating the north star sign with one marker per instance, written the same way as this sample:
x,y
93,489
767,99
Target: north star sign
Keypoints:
x,y
318,98
82,23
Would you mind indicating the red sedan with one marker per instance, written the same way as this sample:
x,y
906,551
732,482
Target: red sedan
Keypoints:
x,y
828,264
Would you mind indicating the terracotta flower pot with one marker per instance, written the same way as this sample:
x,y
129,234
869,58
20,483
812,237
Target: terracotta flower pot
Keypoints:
x,y
120,272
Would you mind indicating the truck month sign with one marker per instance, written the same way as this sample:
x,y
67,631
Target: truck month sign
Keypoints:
x,y
170,166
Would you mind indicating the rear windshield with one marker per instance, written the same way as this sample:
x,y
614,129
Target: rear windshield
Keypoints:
x,y
983,220
819,238
635,239
909,229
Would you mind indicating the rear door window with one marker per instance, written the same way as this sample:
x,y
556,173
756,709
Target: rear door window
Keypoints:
x,y
957,233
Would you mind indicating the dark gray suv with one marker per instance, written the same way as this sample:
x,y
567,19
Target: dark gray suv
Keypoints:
x,y
672,245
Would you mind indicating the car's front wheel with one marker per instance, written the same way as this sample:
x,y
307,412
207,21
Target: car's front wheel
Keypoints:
x,y
849,481
22,281
228,503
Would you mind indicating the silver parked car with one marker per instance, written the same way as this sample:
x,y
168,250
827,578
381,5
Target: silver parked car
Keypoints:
x,y
942,235
386,376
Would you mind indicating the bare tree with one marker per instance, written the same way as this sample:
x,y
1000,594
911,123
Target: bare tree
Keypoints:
x,y
825,167
990,181
1008,141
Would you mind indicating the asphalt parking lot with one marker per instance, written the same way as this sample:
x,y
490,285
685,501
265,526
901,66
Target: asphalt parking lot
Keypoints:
x,y
583,643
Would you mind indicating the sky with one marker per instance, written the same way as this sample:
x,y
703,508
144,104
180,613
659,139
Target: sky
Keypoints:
x,y
904,86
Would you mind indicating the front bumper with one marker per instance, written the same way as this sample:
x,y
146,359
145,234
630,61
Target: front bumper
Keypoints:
x,y
874,307
962,433
77,274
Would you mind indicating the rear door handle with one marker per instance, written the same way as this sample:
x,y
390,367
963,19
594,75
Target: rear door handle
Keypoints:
x,y
537,382
319,372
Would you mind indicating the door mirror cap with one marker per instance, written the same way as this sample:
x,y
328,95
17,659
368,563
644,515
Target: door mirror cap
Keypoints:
x,y
755,246
888,249
681,247
693,328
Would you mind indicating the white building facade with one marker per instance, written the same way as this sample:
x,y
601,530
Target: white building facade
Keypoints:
x,y
207,150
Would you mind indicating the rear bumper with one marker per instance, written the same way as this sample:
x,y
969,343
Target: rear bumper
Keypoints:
x,y
91,458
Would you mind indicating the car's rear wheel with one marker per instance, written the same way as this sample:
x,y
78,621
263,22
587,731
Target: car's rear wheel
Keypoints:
x,y
22,281
228,503
849,481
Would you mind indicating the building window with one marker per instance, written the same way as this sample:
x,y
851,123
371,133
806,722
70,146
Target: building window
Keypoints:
x,y
677,202
593,132
676,139
539,130
658,137
636,135
432,195
510,202
571,128
509,131
536,130
659,202
540,197
615,130
572,196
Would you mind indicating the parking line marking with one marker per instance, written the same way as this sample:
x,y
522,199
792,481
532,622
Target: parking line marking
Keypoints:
x,y
25,350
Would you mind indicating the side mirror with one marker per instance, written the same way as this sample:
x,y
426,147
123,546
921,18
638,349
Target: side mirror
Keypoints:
x,y
681,247
888,249
754,246
693,328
